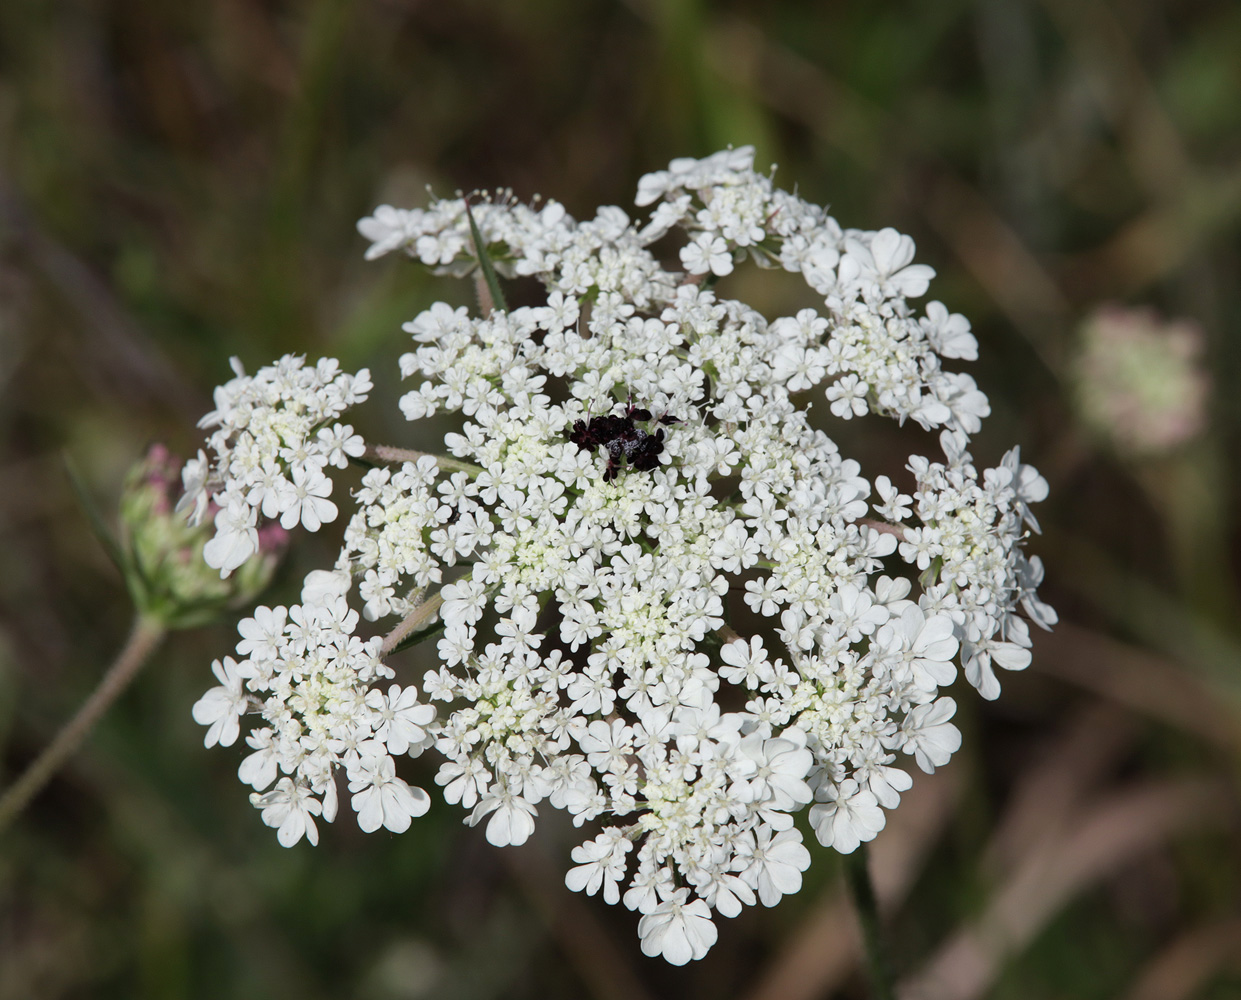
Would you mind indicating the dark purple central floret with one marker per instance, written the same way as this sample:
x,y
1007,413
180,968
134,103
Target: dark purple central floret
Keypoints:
x,y
622,439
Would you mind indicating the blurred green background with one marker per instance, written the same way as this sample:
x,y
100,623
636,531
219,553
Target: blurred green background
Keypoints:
x,y
179,182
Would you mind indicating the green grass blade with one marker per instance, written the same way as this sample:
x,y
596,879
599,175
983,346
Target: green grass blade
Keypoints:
x,y
484,262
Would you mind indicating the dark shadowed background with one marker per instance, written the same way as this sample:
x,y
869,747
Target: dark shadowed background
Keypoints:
x,y
179,182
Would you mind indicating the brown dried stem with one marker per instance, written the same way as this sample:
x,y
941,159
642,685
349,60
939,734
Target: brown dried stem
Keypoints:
x,y
1101,840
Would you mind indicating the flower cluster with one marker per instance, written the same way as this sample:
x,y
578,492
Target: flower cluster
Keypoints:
x,y
635,469
311,678
276,432
1140,383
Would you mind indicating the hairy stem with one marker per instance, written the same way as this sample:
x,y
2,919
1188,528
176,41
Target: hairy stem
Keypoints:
x,y
422,615
857,876
887,529
387,453
143,640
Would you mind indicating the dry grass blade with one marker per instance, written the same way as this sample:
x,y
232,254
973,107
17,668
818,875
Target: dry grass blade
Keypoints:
x,y
1188,963
1155,244
1047,793
997,258
1150,684
1105,838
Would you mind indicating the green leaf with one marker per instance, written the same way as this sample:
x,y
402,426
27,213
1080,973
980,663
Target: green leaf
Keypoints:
x,y
99,527
484,262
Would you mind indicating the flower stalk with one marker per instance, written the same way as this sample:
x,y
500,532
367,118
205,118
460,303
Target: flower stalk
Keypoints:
x,y
862,890
389,453
143,640
418,618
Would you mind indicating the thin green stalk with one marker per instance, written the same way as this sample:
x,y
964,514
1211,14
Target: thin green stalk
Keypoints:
x,y
857,876
143,640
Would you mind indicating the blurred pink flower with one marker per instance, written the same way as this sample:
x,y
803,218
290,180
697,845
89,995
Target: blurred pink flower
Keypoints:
x,y
1139,380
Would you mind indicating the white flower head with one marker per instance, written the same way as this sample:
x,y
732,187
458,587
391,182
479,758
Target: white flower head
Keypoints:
x,y
632,458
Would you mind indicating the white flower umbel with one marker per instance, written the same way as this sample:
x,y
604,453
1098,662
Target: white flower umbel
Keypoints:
x,y
633,459
276,432
314,684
